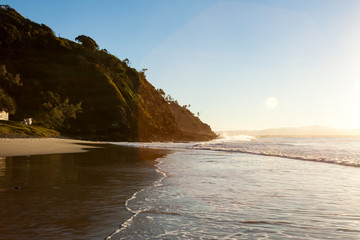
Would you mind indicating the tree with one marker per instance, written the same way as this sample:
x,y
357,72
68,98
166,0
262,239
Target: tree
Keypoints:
x,y
7,82
142,72
7,103
162,93
69,111
127,61
60,112
169,99
87,42
11,80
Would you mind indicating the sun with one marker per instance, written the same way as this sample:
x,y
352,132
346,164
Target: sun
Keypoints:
x,y
272,102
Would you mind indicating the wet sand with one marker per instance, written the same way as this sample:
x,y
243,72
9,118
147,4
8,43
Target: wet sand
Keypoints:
x,y
71,195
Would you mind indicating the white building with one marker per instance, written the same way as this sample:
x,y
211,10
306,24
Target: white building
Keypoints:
x,y
4,115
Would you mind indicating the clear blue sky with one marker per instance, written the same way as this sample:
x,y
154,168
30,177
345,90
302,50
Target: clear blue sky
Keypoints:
x,y
243,64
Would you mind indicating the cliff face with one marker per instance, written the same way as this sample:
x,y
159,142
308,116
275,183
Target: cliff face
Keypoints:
x,y
81,90
188,123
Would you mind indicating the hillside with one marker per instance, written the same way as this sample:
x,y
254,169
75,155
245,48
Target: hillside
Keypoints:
x,y
80,90
188,123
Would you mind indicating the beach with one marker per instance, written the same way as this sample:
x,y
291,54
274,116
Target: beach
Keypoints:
x,y
69,189
268,188
35,146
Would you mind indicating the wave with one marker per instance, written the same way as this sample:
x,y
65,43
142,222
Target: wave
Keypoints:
x,y
231,138
350,162
306,149
159,202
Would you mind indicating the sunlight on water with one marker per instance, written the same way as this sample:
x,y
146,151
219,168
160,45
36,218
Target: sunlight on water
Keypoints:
x,y
230,138
343,151
221,193
211,195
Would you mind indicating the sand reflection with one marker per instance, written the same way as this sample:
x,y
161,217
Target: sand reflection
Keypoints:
x,y
71,196
2,166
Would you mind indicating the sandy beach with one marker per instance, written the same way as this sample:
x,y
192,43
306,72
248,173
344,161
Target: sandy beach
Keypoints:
x,y
39,146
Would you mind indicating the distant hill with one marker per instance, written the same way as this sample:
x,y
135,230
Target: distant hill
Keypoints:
x,y
300,131
80,90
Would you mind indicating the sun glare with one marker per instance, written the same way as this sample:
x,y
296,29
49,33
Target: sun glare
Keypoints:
x,y
357,85
272,102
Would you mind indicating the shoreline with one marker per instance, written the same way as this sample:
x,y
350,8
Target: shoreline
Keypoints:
x,y
10,147
126,223
102,176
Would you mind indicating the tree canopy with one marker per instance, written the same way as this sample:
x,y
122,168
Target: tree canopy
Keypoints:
x,y
60,111
9,80
7,103
87,42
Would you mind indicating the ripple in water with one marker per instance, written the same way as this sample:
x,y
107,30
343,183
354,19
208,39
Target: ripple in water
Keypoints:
x,y
222,195
343,151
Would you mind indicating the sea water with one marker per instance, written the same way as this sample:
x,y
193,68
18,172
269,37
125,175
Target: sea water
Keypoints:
x,y
71,196
250,188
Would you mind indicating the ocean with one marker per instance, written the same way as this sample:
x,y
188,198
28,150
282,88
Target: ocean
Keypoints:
x,y
249,188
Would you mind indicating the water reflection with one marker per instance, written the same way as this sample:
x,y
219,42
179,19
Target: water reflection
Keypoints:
x,y
71,196
2,166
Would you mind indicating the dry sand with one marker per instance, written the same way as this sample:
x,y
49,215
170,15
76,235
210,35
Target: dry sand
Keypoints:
x,y
36,146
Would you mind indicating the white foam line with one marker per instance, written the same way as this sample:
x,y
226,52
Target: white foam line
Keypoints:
x,y
128,222
158,183
281,155
200,146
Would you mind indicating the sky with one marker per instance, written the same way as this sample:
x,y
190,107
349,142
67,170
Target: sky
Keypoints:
x,y
242,64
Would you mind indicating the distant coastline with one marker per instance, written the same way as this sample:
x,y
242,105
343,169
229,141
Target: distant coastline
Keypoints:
x,y
307,131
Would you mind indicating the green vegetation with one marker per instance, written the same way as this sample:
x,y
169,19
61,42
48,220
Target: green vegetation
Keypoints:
x,y
87,42
7,103
80,90
8,81
60,111
15,129
188,123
